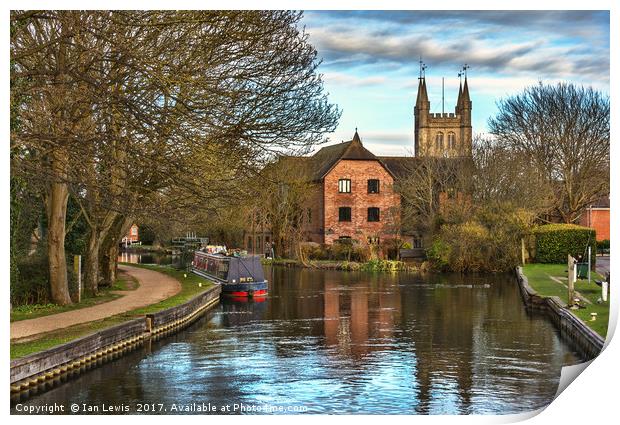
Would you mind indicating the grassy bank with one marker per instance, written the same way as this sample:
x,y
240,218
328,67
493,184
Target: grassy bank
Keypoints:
x,y
189,289
543,278
372,265
124,282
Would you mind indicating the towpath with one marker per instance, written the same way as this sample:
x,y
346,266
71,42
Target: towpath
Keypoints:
x,y
154,287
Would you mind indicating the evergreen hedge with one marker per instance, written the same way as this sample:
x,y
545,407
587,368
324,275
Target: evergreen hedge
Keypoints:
x,y
555,241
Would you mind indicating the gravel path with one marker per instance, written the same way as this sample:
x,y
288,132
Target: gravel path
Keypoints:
x,y
154,287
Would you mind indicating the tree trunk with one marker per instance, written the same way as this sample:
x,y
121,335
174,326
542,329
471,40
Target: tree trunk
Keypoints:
x,y
108,254
91,264
56,206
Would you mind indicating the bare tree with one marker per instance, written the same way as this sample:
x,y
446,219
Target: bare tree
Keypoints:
x,y
503,178
434,190
281,196
563,131
157,111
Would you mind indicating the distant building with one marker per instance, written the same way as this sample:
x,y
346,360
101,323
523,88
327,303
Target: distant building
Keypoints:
x,y
443,134
132,236
596,216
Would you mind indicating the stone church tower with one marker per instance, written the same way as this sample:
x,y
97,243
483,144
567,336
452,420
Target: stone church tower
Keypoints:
x,y
442,135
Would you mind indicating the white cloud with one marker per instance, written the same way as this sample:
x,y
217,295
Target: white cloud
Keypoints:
x,y
353,80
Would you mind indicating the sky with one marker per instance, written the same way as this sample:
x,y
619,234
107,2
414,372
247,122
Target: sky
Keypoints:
x,y
371,62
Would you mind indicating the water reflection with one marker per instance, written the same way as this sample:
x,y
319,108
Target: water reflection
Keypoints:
x,y
178,261
333,342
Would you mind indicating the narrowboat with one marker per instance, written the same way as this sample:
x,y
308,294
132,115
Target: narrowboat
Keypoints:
x,y
240,276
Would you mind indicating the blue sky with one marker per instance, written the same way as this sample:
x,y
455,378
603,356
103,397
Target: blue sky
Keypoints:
x,y
371,62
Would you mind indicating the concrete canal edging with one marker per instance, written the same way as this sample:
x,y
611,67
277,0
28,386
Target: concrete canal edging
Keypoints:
x,y
49,367
571,328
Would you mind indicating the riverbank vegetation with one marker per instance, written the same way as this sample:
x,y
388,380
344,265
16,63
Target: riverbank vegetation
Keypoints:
x,y
156,117
377,265
551,280
191,286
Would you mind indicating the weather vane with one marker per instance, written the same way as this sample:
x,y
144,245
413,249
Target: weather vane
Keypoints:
x,y
465,68
460,77
422,69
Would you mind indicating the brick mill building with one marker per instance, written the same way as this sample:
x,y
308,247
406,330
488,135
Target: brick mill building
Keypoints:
x,y
352,194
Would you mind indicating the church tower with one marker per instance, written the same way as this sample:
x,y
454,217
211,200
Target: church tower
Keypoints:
x,y
442,134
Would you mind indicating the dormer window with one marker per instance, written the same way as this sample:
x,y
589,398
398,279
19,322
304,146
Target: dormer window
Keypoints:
x,y
344,186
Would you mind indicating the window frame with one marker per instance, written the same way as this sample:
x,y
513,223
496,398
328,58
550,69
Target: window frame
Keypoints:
x,y
340,214
451,140
439,140
378,186
378,215
344,184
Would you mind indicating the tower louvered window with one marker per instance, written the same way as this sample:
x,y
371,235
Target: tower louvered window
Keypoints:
x,y
439,140
451,140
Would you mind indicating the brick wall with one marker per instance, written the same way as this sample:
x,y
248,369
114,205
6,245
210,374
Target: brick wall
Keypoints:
x,y
598,219
359,172
313,214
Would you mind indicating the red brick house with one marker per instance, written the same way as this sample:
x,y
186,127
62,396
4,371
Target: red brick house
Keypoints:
x,y
131,236
351,196
356,197
596,216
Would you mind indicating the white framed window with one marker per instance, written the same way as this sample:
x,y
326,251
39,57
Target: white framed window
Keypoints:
x,y
344,186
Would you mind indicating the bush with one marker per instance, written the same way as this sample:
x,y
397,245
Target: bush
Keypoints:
x,y
32,283
438,254
383,266
146,234
555,241
314,251
489,243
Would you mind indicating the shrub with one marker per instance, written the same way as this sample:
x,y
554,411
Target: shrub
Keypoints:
x,y
384,266
438,254
555,241
314,251
31,285
474,247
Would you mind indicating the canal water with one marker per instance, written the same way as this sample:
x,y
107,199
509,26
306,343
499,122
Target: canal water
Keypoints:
x,y
338,343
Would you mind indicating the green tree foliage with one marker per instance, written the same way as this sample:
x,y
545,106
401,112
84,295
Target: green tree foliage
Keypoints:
x,y
555,241
146,234
488,242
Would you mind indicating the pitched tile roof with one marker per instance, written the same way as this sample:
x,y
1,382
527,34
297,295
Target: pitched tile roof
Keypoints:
x,y
326,158
399,166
